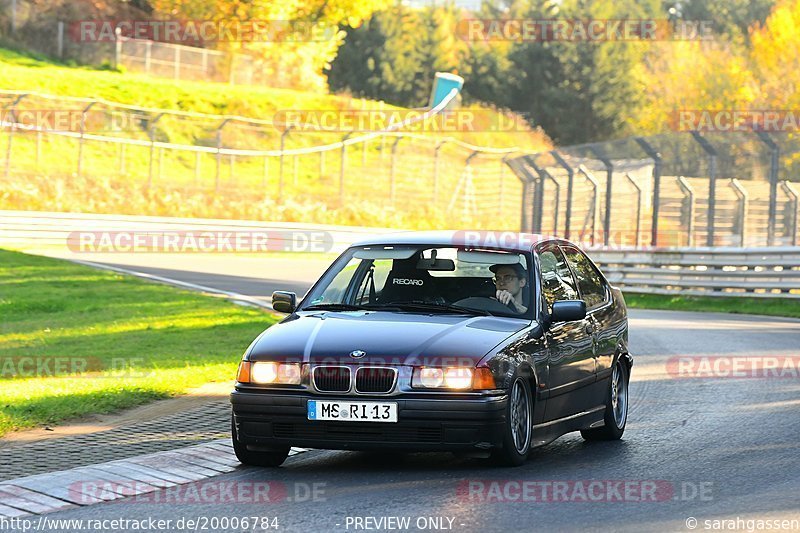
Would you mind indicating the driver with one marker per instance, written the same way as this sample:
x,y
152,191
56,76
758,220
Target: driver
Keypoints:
x,y
509,281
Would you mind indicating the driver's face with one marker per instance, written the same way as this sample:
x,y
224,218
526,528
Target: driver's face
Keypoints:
x,y
507,280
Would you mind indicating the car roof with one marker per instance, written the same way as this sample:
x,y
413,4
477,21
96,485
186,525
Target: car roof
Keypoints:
x,y
498,240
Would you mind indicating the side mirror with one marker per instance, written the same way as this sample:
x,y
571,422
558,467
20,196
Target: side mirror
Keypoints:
x,y
568,311
284,302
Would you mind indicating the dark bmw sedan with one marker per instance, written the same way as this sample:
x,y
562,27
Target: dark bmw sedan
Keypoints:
x,y
487,344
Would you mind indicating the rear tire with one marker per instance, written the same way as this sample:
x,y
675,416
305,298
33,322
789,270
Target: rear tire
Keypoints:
x,y
270,458
518,432
616,413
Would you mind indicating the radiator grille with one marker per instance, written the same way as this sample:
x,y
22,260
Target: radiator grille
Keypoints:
x,y
375,380
332,378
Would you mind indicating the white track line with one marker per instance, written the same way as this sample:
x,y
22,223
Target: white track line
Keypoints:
x,y
235,296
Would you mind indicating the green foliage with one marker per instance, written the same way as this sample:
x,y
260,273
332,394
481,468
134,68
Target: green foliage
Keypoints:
x,y
590,82
393,56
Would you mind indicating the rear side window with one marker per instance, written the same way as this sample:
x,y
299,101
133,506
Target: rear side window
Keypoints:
x,y
590,283
557,282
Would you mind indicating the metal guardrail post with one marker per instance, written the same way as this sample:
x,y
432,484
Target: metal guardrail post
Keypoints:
x,y
39,147
501,185
392,166
741,192
689,192
595,200
160,164
342,164
60,40
539,200
364,153
774,152
637,239
653,154
11,131
712,183
82,133
609,192
280,162
538,207
557,201
117,46
523,174
469,192
795,196
436,151
219,153
148,54
523,224
570,187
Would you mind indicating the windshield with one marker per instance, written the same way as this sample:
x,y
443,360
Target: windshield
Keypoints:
x,y
426,279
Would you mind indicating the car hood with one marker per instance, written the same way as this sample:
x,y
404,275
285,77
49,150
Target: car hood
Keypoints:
x,y
386,337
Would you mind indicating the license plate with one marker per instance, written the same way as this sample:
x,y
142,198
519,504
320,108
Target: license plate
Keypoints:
x,y
352,411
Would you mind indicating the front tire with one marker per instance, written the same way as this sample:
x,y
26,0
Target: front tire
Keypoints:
x,y
519,425
272,458
616,413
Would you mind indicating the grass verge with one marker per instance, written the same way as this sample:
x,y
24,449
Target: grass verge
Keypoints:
x,y
76,341
743,305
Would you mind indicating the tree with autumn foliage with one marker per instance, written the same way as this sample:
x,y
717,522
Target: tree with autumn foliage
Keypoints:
x,y
775,57
294,60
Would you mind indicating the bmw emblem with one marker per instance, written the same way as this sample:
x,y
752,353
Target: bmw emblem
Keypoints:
x,y
357,354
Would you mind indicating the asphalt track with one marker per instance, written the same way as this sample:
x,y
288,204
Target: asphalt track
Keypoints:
x,y
705,441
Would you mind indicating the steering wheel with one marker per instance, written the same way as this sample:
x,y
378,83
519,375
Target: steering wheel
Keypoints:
x,y
486,304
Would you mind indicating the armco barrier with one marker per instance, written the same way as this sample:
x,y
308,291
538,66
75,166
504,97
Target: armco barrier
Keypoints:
x,y
37,229
761,272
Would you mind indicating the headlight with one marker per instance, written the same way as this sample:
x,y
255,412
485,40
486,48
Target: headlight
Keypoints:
x,y
458,378
431,377
267,373
264,372
443,378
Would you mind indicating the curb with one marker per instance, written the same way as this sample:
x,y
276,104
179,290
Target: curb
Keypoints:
x,y
122,478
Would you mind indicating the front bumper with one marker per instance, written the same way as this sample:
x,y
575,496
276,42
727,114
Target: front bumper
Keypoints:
x,y
424,424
